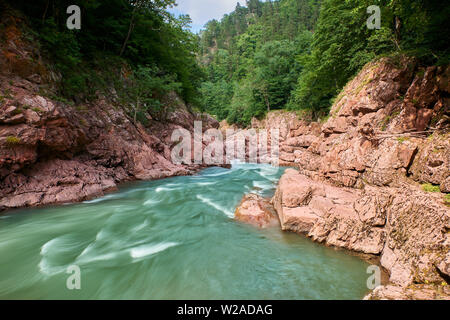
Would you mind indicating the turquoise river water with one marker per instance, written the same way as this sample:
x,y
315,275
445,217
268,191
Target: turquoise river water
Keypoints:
x,y
170,239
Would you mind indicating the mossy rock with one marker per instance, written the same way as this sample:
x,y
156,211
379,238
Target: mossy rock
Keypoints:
x,y
12,141
428,187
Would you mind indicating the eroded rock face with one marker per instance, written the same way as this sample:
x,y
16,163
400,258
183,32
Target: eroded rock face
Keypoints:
x,y
405,226
284,121
418,240
359,175
432,163
329,214
54,152
257,211
291,202
367,139
51,152
413,292
57,181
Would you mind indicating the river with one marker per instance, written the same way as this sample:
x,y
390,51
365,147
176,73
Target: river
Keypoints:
x,y
170,239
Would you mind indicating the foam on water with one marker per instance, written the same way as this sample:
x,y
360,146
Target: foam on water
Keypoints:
x,y
141,226
202,184
46,247
83,260
99,199
215,206
148,250
169,187
218,174
47,270
151,202
263,185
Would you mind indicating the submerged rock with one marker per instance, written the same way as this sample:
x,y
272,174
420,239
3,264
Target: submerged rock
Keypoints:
x,y
257,211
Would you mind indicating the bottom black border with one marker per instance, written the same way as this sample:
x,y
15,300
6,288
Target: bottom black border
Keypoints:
x,y
234,310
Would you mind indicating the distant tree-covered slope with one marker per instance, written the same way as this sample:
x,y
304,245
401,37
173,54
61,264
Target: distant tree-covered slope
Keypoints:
x,y
298,54
249,57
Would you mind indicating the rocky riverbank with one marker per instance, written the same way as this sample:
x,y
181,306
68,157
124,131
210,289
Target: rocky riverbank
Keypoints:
x,y
51,152
374,177
58,151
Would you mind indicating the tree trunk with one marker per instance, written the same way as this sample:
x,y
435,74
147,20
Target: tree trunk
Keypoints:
x,y
45,12
130,30
267,102
136,107
397,36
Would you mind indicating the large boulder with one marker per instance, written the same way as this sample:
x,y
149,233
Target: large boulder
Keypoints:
x,y
328,214
257,211
405,226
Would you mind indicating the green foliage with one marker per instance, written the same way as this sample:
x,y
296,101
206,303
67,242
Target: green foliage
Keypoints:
x,y
339,50
17,111
215,96
277,54
324,48
275,74
343,44
250,57
114,33
243,105
428,187
402,139
144,91
68,56
447,199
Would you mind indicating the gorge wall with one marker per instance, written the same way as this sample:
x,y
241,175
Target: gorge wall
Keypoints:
x,y
56,151
361,177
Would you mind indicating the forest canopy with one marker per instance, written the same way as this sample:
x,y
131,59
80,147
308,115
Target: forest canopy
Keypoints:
x,y
299,54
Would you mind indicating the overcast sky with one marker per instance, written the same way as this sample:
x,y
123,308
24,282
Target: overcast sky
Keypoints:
x,y
201,11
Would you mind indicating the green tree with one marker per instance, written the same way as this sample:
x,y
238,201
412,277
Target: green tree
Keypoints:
x,y
144,91
143,5
114,33
276,73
